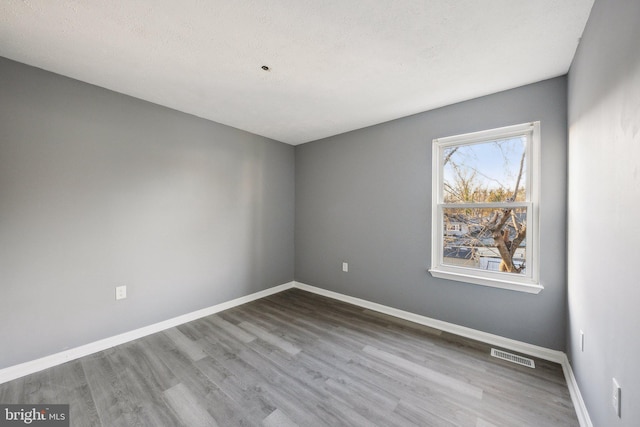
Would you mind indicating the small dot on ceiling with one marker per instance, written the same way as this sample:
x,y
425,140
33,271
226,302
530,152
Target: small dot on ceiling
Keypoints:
x,y
264,67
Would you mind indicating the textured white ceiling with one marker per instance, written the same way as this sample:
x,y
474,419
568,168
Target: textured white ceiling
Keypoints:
x,y
336,65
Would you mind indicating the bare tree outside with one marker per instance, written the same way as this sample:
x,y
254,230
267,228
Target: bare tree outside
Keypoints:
x,y
484,214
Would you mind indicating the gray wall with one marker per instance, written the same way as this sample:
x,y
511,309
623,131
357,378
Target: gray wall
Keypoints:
x,y
365,197
604,207
98,189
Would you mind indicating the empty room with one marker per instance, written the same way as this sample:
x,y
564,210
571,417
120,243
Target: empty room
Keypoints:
x,y
303,213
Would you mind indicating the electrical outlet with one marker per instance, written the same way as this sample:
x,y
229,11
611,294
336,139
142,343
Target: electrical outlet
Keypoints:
x,y
616,398
121,292
581,340
345,267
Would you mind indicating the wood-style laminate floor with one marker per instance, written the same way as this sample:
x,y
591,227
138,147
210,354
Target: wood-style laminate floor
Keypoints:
x,y
296,358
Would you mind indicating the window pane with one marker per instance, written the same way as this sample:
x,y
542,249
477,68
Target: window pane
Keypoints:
x,y
473,238
489,171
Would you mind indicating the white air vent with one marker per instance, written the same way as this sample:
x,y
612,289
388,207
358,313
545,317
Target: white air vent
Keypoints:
x,y
514,358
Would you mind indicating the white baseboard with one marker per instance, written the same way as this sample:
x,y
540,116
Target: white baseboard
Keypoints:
x,y
576,396
506,343
17,371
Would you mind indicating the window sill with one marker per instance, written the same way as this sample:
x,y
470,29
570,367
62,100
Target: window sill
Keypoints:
x,y
530,288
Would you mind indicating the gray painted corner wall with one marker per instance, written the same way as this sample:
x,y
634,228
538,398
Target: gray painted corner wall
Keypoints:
x,y
98,189
604,201
364,197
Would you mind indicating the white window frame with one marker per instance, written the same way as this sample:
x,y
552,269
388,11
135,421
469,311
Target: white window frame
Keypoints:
x,y
529,282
